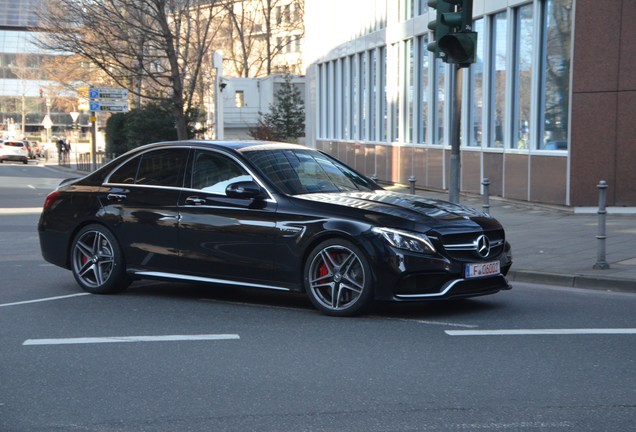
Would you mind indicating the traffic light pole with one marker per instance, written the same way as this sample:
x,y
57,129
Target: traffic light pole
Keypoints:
x,y
455,135
454,43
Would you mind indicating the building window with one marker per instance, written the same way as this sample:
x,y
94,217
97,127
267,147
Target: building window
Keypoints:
x,y
355,97
498,70
423,7
555,81
438,121
524,49
395,93
476,117
239,99
287,13
425,90
409,80
364,106
330,99
346,98
279,15
337,99
407,9
321,101
383,91
374,96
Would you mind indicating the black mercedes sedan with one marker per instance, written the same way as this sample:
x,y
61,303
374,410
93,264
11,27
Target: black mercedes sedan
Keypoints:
x,y
267,216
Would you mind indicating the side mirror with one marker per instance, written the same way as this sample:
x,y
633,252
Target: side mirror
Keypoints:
x,y
244,190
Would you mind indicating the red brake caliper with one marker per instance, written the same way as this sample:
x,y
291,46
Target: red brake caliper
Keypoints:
x,y
323,270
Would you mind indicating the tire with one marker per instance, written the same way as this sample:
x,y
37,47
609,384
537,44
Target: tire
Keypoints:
x,y
97,262
338,278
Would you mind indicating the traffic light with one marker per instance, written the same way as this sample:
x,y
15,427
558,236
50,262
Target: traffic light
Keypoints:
x,y
455,42
439,26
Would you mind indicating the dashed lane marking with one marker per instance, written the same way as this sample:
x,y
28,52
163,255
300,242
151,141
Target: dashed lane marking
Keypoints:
x,y
43,299
542,332
130,339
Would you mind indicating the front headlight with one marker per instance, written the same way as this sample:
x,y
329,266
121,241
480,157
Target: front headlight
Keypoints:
x,y
414,242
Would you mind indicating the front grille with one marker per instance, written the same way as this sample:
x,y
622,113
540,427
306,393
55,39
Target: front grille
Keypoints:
x,y
470,247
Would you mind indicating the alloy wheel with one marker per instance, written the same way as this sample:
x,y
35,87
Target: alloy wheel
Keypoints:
x,y
93,259
336,278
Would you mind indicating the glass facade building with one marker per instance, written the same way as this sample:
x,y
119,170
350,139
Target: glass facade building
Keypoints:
x,y
23,83
19,13
383,101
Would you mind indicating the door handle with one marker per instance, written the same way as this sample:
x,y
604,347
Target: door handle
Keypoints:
x,y
193,200
116,197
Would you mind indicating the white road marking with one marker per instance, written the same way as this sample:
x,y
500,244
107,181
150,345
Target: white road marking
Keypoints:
x,y
20,211
550,332
513,426
44,299
439,323
127,339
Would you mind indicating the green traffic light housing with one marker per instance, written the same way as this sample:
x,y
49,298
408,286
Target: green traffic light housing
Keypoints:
x,y
439,27
455,42
459,48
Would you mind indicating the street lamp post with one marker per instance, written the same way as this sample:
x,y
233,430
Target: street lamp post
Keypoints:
x,y
48,115
217,63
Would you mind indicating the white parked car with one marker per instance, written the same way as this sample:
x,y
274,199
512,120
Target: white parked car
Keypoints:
x,y
11,150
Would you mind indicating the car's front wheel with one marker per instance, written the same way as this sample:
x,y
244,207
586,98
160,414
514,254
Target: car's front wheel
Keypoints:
x,y
97,261
338,278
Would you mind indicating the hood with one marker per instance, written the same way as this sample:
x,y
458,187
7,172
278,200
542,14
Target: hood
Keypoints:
x,y
414,208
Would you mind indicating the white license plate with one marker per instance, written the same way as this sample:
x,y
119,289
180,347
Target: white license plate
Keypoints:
x,y
482,269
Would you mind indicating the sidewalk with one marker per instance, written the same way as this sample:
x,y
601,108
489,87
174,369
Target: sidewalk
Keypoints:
x,y
553,245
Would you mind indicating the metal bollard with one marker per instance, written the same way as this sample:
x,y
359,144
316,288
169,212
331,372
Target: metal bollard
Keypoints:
x,y
486,184
601,263
412,183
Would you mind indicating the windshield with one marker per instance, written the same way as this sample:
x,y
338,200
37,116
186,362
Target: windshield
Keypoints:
x,y
302,171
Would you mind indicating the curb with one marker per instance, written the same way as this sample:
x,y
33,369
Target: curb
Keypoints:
x,y
574,281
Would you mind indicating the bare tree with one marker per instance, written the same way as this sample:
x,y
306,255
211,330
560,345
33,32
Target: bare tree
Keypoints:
x,y
258,32
154,48
24,69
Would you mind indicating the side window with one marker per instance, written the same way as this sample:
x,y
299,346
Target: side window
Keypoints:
x,y
126,173
213,172
162,168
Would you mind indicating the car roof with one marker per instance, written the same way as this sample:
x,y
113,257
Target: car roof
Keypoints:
x,y
233,145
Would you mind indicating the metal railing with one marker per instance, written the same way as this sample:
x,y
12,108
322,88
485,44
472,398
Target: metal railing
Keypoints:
x,y
84,161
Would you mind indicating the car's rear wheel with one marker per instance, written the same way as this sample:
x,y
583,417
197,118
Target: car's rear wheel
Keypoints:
x,y
97,261
338,278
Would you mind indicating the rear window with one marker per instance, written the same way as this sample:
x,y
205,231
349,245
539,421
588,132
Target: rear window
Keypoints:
x,y
13,144
155,168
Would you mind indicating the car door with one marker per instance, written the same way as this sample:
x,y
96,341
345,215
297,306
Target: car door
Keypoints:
x,y
224,238
141,203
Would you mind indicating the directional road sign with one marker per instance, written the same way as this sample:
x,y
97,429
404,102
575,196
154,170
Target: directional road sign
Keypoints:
x,y
108,106
108,93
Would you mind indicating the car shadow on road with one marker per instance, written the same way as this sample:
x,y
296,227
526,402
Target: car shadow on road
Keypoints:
x,y
177,291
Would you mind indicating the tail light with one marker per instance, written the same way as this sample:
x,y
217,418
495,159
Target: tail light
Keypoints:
x,y
51,199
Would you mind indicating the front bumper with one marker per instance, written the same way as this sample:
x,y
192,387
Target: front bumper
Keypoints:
x,y
411,290
15,158
405,276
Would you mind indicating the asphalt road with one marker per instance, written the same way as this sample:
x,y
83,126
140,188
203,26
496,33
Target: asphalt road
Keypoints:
x,y
180,357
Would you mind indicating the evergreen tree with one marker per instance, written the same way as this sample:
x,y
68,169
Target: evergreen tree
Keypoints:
x,y
286,119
